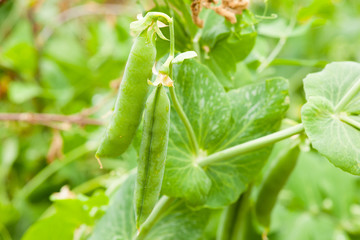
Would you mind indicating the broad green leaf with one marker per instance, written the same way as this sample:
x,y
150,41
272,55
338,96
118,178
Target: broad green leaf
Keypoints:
x,y
215,28
52,228
70,214
178,223
204,101
257,110
226,43
325,122
181,223
208,109
215,60
119,219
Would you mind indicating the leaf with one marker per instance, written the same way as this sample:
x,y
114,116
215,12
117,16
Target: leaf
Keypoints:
x,y
257,110
279,28
9,153
20,92
324,123
70,214
215,28
251,112
54,227
24,63
208,109
223,42
119,220
18,51
192,224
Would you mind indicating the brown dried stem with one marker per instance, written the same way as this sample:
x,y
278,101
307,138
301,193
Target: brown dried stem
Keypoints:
x,y
49,119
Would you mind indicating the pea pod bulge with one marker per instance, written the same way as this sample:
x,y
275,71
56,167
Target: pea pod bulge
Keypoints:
x,y
131,97
153,149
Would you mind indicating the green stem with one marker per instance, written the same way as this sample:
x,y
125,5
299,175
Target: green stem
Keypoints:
x,y
49,170
185,121
298,62
166,67
242,226
160,208
226,222
350,121
174,99
251,145
348,96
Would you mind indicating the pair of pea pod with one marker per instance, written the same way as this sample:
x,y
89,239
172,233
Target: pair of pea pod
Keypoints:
x,y
125,121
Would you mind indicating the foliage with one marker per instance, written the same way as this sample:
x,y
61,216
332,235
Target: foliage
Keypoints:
x,y
68,57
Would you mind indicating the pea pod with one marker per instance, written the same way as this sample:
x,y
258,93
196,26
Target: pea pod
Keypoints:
x,y
273,182
153,149
131,97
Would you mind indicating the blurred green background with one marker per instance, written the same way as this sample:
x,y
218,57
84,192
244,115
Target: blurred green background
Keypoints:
x,y
67,57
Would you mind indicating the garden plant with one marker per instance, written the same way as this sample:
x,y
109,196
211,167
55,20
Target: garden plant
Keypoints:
x,y
224,120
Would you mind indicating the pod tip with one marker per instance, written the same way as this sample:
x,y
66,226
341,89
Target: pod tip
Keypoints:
x,y
99,161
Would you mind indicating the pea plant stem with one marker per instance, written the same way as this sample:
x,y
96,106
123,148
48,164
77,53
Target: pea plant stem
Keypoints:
x,y
348,96
174,99
172,39
160,208
185,121
251,145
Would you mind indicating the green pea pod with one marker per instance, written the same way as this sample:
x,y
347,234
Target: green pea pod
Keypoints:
x,y
273,182
153,149
131,97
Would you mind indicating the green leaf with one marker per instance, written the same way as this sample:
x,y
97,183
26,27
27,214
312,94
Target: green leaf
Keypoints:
x,y
326,115
257,110
20,57
70,214
215,28
224,42
181,223
53,228
252,112
279,28
20,92
119,220
72,210
9,153
208,109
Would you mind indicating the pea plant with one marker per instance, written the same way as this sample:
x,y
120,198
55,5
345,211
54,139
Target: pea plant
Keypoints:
x,y
218,141
201,135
